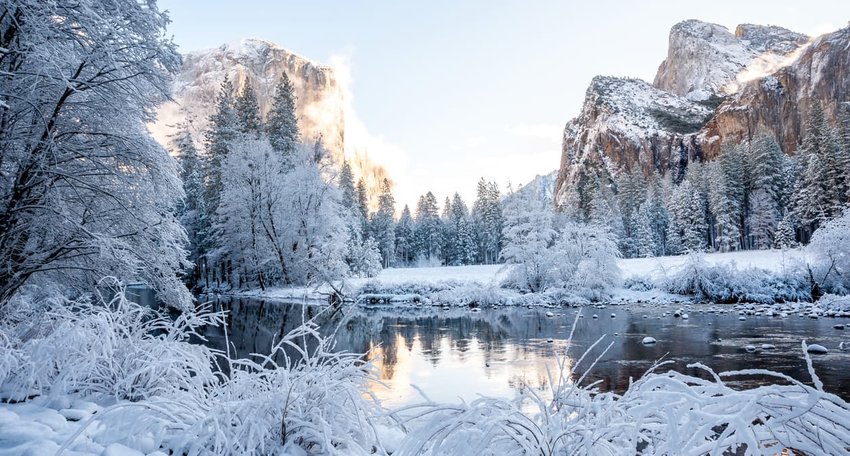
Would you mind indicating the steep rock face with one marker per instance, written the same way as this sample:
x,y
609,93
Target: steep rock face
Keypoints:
x,y
701,59
626,123
778,102
770,38
772,93
320,99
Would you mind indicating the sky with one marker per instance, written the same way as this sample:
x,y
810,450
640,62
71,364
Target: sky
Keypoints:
x,y
452,91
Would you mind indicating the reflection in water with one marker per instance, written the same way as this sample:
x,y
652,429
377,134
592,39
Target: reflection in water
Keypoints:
x,y
458,354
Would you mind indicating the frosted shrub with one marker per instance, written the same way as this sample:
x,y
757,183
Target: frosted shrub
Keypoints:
x,y
726,283
315,402
548,252
112,347
472,294
830,250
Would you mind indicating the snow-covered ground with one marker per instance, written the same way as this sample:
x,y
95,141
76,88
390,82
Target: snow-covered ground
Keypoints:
x,y
771,260
492,275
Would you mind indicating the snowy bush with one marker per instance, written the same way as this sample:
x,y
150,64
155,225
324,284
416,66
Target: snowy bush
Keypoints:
x,y
550,252
303,395
472,294
830,250
110,347
725,283
314,402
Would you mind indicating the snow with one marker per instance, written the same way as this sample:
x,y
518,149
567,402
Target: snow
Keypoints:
x,y
819,349
771,260
487,278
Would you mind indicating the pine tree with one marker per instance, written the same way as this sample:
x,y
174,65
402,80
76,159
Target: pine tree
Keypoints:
x,y
659,218
428,227
248,111
282,127
488,220
383,223
461,241
810,198
404,240
737,180
362,199
725,233
644,241
763,220
193,213
220,138
346,186
784,236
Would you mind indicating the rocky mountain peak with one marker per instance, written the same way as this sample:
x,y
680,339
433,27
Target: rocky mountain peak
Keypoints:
x,y
702,58
770,38
320,105
713,87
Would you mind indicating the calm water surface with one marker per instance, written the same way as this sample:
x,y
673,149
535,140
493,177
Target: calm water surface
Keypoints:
x,y
457,353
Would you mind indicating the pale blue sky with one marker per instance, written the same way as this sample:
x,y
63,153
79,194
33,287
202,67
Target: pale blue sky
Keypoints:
x,y
456,90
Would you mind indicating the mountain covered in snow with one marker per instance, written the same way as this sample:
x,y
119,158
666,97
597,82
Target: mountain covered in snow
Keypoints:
x,y
714,86
320,97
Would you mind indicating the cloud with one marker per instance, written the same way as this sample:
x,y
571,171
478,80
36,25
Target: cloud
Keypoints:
x,y
822,28
546,132
373,156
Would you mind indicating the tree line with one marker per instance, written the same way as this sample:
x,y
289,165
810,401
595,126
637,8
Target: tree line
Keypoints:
x,y
753,196
264,208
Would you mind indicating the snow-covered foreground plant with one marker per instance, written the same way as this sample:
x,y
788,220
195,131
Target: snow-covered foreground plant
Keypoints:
x,y
660,413
111,347
161,386
157,390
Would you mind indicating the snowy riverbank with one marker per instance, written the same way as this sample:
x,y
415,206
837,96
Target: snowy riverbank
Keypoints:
x,y
644,280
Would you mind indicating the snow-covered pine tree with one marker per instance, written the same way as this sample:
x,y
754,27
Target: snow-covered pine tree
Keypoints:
x,y
459,227
642,235
383,223
362,200
193,212
604,209
346,186
404,239
219,138
810,199
282,123
763,220
427,229
724,210
447,234
765,162
784,236
247,109
631,193
733,164
488,220
657,189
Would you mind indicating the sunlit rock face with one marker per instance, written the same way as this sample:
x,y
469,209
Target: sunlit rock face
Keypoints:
x,y
322,106
320,99
714,86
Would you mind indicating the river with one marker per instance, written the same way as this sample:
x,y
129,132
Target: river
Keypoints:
x,y
460,353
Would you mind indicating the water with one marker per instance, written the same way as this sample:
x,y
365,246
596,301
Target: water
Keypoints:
x,y
457,353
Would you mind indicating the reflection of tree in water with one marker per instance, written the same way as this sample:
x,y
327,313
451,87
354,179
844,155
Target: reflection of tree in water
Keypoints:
x,y
432,332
